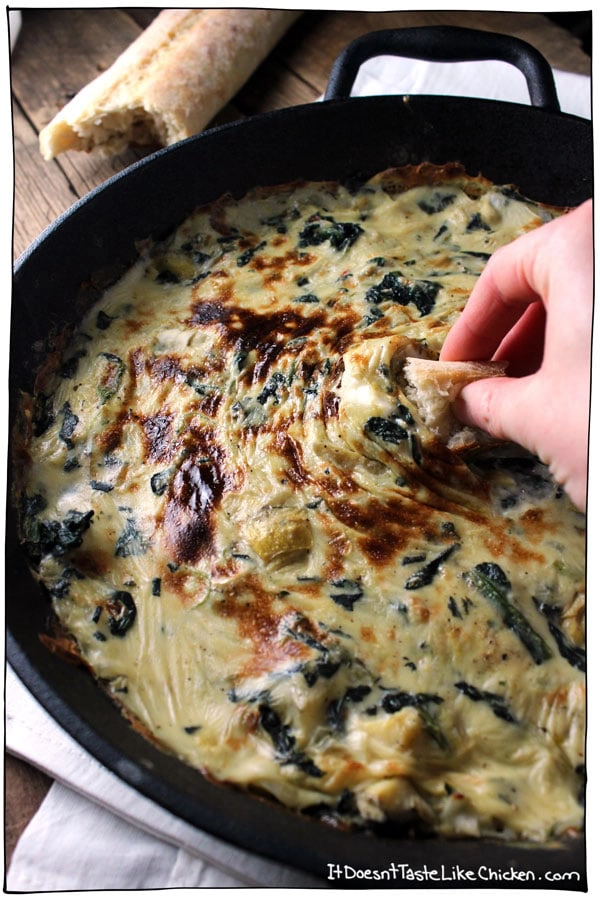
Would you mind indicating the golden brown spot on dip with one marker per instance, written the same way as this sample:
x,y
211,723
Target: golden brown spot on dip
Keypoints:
x,y
331,405
259,620
109,439
384,546
192,498
164,368
138,360
420,610
499,543
268,334
281,264
99,562
291,451
158,434
534,522
338,550
387,525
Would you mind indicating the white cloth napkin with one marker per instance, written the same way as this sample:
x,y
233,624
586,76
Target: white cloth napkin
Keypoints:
x,y
491,80
15,21
130,843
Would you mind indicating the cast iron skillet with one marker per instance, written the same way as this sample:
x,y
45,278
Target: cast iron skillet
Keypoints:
x,y
546,153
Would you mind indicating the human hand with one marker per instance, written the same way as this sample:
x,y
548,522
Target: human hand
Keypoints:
x,y
532,306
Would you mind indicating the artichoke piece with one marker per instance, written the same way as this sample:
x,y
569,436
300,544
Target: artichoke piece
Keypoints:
x,y
280,535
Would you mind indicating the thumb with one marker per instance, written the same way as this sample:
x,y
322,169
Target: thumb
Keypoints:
x,y
503,407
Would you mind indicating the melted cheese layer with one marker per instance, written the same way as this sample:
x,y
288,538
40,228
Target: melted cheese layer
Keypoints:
x,y
274,566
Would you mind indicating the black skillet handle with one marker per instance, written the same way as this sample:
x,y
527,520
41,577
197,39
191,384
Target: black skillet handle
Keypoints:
x,y
445,43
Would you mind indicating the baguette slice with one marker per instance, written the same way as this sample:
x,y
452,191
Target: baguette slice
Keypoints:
x,y
433,386
170,82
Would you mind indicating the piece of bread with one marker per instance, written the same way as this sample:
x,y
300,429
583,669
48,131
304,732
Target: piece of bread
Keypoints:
x,y
433,386
170,82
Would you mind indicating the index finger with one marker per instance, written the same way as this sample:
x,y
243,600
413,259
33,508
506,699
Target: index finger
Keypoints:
x,y
504,290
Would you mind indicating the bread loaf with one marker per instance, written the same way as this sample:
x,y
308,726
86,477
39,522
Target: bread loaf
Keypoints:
x,y
433,386
170,82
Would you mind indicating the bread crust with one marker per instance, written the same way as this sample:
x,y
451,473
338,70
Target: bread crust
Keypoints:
x,y
170,82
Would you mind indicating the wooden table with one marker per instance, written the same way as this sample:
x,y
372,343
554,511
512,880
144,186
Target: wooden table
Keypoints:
x,y
60,50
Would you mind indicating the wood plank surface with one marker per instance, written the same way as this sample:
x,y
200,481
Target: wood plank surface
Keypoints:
x,y
60,50
26,787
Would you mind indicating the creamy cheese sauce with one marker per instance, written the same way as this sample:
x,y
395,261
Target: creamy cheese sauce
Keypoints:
x,y
266,556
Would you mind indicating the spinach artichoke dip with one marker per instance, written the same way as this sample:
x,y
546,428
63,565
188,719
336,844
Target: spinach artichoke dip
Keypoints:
x,y
253,540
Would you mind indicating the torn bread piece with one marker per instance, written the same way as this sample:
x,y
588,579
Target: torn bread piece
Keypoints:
x,y
433,386
170,82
